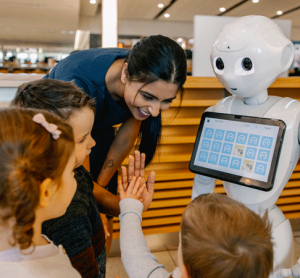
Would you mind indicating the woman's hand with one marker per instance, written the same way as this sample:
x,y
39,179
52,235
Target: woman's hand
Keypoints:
x,y
136,167
148,193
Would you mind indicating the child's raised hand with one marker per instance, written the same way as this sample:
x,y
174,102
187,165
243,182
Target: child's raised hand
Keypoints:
x,y
134,189
136,167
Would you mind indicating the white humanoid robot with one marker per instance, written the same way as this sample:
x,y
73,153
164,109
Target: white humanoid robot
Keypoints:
x,y
247,56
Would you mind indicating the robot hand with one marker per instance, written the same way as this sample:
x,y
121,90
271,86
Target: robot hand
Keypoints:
x,y
294,271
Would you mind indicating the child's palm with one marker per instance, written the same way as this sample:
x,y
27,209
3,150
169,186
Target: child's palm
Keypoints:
x,y
134,190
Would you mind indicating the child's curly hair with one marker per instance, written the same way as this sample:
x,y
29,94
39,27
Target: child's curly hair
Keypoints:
x,y
28,155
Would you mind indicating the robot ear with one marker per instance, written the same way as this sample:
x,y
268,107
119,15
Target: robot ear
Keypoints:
x,y
287,56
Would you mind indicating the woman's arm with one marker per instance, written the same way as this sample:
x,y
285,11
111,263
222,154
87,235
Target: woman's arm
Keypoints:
x,y
119,149
108,202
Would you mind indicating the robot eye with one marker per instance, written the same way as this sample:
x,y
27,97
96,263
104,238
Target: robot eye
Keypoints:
x,y
219,64
247,64
244,66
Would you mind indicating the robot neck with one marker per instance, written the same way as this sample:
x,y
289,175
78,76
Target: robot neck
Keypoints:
x,y
257,99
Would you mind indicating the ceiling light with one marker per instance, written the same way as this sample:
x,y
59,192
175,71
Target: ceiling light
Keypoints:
x,y
279,12
167,15
255,1
93,1
179,40
160,5
222,9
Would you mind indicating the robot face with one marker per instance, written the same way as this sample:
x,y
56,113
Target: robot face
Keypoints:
x,y
241,72
249,54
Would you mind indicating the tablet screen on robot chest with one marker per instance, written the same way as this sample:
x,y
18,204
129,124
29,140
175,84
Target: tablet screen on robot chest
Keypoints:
x,y
238,149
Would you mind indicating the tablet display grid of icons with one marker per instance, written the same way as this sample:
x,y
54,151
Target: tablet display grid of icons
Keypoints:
x,y
242,151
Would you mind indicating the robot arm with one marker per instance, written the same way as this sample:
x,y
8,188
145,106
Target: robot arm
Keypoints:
x,y
202,185
299,134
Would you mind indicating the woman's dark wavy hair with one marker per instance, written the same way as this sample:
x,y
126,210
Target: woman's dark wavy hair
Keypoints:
x,y
152,59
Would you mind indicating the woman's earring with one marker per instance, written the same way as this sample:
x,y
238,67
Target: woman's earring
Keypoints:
x,y
124,80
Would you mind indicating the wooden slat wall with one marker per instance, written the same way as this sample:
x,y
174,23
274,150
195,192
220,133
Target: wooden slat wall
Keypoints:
x,y
173,187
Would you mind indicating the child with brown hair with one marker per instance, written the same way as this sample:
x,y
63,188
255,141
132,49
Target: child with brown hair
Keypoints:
x,y
36,184
80,230
219,237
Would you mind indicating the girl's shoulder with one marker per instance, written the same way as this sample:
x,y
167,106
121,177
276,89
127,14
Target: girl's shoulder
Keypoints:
x,y
57,265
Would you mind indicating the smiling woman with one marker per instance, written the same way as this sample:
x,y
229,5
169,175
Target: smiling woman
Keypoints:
x,y
130,87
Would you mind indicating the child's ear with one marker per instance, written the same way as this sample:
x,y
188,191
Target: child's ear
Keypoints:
x,y
184,272
47,189
124,73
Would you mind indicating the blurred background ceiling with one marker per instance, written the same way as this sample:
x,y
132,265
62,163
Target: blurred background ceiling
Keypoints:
x,y
54,22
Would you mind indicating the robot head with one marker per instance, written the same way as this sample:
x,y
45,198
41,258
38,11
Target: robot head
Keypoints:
x,y
249,54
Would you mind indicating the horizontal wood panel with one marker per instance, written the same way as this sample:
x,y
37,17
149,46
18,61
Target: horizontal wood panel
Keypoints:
x,y
201,83
167,166
189,139
174,113
175,149
204,94
194,103
181,121
179,131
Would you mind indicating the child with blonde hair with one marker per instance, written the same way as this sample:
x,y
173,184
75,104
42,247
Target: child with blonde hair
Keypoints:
x,y
36,184
219,237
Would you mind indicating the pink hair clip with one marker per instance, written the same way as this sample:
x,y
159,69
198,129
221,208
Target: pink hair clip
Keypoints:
x,y
51,128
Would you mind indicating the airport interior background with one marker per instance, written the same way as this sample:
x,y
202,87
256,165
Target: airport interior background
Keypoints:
x,y
35,35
